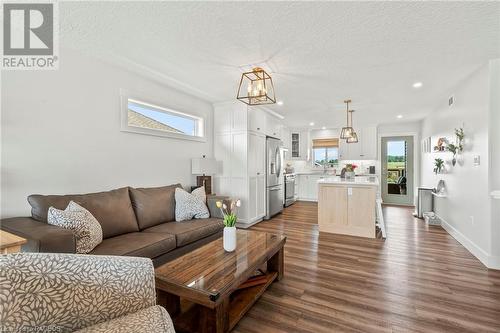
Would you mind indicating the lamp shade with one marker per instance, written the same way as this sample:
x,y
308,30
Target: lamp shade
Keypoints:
x,y
203,166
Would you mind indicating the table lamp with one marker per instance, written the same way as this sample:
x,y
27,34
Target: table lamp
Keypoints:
x,y
204,166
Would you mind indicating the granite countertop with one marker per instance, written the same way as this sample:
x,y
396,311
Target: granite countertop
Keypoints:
x,y
365,181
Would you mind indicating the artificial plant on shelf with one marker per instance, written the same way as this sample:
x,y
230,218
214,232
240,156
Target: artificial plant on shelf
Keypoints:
x,y
454,150
459,133
438,165
229,209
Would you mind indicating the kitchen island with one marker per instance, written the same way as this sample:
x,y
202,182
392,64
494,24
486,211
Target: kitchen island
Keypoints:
x,y
347,206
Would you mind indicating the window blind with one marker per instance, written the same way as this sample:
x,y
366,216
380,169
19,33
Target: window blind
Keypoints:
x,y
325,143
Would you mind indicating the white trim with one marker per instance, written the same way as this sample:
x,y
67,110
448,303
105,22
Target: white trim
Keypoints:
x,y
487,260
150,73
245,225
126,96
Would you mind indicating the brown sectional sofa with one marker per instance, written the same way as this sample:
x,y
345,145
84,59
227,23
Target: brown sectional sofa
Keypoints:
x,y
135,222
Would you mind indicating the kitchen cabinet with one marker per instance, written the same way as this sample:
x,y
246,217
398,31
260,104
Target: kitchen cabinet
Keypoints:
x,y
307,188
240,150
299,145
364,149
257,201
347,208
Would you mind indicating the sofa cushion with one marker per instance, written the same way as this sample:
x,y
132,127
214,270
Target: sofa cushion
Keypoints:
x,y
112,209
190,205
187,232
153,205
137,244
87,230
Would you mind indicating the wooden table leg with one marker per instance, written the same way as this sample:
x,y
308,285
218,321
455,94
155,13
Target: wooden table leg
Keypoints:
x,y
215,320
171,303
277,263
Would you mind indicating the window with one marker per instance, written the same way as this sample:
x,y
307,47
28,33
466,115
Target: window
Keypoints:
x,y
325,152
145,118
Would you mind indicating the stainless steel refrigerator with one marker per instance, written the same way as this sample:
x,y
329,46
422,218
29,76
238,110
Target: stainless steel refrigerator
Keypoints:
x,y
274,177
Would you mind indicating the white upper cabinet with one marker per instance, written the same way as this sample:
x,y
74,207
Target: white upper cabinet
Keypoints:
x,y
230,117
299,144
257,120
364,149
369,143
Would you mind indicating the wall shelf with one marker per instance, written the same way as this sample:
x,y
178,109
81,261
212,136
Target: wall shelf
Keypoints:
x,y
495,194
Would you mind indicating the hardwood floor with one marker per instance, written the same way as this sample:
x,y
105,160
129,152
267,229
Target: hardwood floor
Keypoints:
x,y
418,280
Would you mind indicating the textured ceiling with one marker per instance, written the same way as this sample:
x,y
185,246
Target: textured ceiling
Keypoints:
x,y
318,53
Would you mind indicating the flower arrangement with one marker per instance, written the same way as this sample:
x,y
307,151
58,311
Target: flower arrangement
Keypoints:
x,y
350,167
229,212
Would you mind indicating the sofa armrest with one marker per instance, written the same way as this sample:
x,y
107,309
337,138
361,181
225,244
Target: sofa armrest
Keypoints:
x,y
41,236
66,292
211,204
153,319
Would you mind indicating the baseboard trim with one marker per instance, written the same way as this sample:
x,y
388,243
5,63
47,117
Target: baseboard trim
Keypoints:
x,y
487,260
245,225
309,200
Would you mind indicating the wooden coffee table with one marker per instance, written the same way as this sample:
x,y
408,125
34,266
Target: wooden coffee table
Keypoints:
x,y
200,289
10,243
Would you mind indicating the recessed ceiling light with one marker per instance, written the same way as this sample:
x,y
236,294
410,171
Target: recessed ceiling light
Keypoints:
x,y
323,128
400,116
280,103
417,85
311,124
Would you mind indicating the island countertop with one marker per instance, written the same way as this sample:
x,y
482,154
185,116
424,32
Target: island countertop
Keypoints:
x,y
360,180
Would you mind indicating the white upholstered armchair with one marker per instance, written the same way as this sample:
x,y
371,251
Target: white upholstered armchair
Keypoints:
x,y
42,292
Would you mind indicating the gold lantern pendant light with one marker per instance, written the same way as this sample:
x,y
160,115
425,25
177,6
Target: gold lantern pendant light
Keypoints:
x,y
354,136
256,88
347,131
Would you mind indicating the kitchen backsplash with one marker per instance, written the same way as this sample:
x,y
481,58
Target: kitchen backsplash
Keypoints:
x,y
305,166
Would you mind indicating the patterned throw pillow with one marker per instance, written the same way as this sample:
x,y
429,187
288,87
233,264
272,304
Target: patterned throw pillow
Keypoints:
x,y
87,230
190,205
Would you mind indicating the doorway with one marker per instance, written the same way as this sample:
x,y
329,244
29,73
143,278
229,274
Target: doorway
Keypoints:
x,y
397,170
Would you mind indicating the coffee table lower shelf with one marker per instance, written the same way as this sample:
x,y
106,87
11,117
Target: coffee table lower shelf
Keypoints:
x,y
240,301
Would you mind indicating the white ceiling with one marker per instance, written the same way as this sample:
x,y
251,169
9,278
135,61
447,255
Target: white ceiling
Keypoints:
x,y
319,53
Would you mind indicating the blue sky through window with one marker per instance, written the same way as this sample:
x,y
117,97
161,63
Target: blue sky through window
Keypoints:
x,y
396,148
184,124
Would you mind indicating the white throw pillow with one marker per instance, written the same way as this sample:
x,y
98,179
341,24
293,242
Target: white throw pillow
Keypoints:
x,y
87,230
190,205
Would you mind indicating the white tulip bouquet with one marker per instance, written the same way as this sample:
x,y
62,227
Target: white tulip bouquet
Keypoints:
x,y
229,212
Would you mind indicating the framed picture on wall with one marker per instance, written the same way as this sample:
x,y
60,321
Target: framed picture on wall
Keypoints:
x,y
426,145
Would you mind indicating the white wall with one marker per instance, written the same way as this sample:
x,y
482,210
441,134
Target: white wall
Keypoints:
x,y
61,133
466,210
494,140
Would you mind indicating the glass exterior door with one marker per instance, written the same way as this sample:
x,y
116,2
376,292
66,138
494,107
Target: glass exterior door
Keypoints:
x,y
397,170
